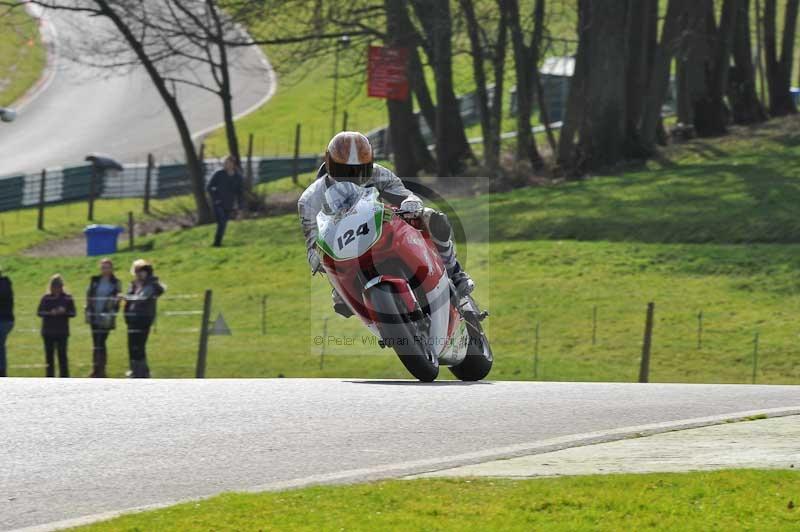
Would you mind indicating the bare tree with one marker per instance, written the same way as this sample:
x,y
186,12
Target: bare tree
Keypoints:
x,y
526,61
745,105
779,67
483,49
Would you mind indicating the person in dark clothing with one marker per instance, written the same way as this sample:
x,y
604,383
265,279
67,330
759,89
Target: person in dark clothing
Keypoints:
x,y
56,308
102,305
225,189
140,313
6,319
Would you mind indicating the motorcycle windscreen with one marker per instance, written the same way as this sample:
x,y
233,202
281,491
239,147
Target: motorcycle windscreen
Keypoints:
x,y
351,221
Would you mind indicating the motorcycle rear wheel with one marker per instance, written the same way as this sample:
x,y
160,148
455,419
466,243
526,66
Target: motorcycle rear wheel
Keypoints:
x,y
404,336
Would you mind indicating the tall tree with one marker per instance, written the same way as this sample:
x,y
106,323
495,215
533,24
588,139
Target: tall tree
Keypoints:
x,y
710,112
602,135
410,151
745,105
779,67
526,61
452,148
642,25
659,76
483,50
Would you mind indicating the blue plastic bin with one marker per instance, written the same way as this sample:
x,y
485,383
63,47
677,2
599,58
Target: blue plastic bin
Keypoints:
x,y
101,239
795,95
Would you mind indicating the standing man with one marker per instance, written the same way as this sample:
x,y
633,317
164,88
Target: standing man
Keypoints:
x,y
6,319
225,189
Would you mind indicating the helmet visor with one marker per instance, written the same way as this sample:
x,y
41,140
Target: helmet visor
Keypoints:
x,y
350,173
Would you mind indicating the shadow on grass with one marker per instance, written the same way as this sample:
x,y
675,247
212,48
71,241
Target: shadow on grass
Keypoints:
x,y
740,196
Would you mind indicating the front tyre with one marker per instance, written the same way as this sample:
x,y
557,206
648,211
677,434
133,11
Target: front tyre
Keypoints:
x,y
403,334
478,362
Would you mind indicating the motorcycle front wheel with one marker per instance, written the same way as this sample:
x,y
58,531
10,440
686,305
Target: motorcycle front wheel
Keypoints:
x,y
478,362
403,334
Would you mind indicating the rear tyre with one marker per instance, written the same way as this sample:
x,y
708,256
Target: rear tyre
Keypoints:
x,y
478,362
406,337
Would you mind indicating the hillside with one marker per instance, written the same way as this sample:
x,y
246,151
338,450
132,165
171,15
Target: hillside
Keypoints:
x,y
22,55
710,228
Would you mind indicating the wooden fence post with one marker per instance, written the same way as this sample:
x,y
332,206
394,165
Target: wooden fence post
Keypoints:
x,y
644,369
249,181
264,315
202,350
92,192
755,357
147,181
322,349
130,230
700,330
536,352
296,162
344,121
40,221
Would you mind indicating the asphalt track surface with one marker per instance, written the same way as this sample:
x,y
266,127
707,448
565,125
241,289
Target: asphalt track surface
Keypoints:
x,y
77,447
76,109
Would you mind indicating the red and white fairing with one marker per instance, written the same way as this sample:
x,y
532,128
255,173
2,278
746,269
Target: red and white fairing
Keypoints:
x,y
366,245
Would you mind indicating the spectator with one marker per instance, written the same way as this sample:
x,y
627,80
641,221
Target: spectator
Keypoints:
x,y
140,312
102,305
56,309
225,189
6,319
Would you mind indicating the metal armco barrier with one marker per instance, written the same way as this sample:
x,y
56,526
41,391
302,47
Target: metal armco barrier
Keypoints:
x,y
74,183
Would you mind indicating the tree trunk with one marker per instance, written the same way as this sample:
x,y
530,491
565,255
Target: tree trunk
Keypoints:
x,y
711,113
478,54
568,157
193,164
694,58
524,64
642,17
779,69
745,106
658,84
410,150
499,69
603,139
452,148
225,85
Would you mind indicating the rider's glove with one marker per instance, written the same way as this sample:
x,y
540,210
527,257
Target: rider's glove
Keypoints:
x,y
314,261
410,208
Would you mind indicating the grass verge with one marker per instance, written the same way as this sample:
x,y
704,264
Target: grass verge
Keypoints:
x,y
724,500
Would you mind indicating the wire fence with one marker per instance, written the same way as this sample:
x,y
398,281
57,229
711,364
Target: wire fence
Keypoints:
x,y
280,334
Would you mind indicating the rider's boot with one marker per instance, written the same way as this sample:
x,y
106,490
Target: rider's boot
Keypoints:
x,y
339,306
442,236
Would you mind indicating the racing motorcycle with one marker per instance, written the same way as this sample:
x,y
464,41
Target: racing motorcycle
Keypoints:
x,y
389,273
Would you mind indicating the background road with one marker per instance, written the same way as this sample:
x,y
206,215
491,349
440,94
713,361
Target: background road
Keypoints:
x,y
82,110
70,448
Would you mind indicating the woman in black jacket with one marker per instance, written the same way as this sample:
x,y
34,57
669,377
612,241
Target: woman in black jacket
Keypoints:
x,y
140,312
102,305
56,308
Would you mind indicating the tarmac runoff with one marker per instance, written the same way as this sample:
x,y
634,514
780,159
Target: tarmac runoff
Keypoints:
x,y
758,444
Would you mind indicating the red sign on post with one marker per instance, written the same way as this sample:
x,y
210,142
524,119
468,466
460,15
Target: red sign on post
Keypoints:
x,y
387,73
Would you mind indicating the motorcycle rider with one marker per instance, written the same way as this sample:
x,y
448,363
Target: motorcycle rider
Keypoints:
x,y
349,158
